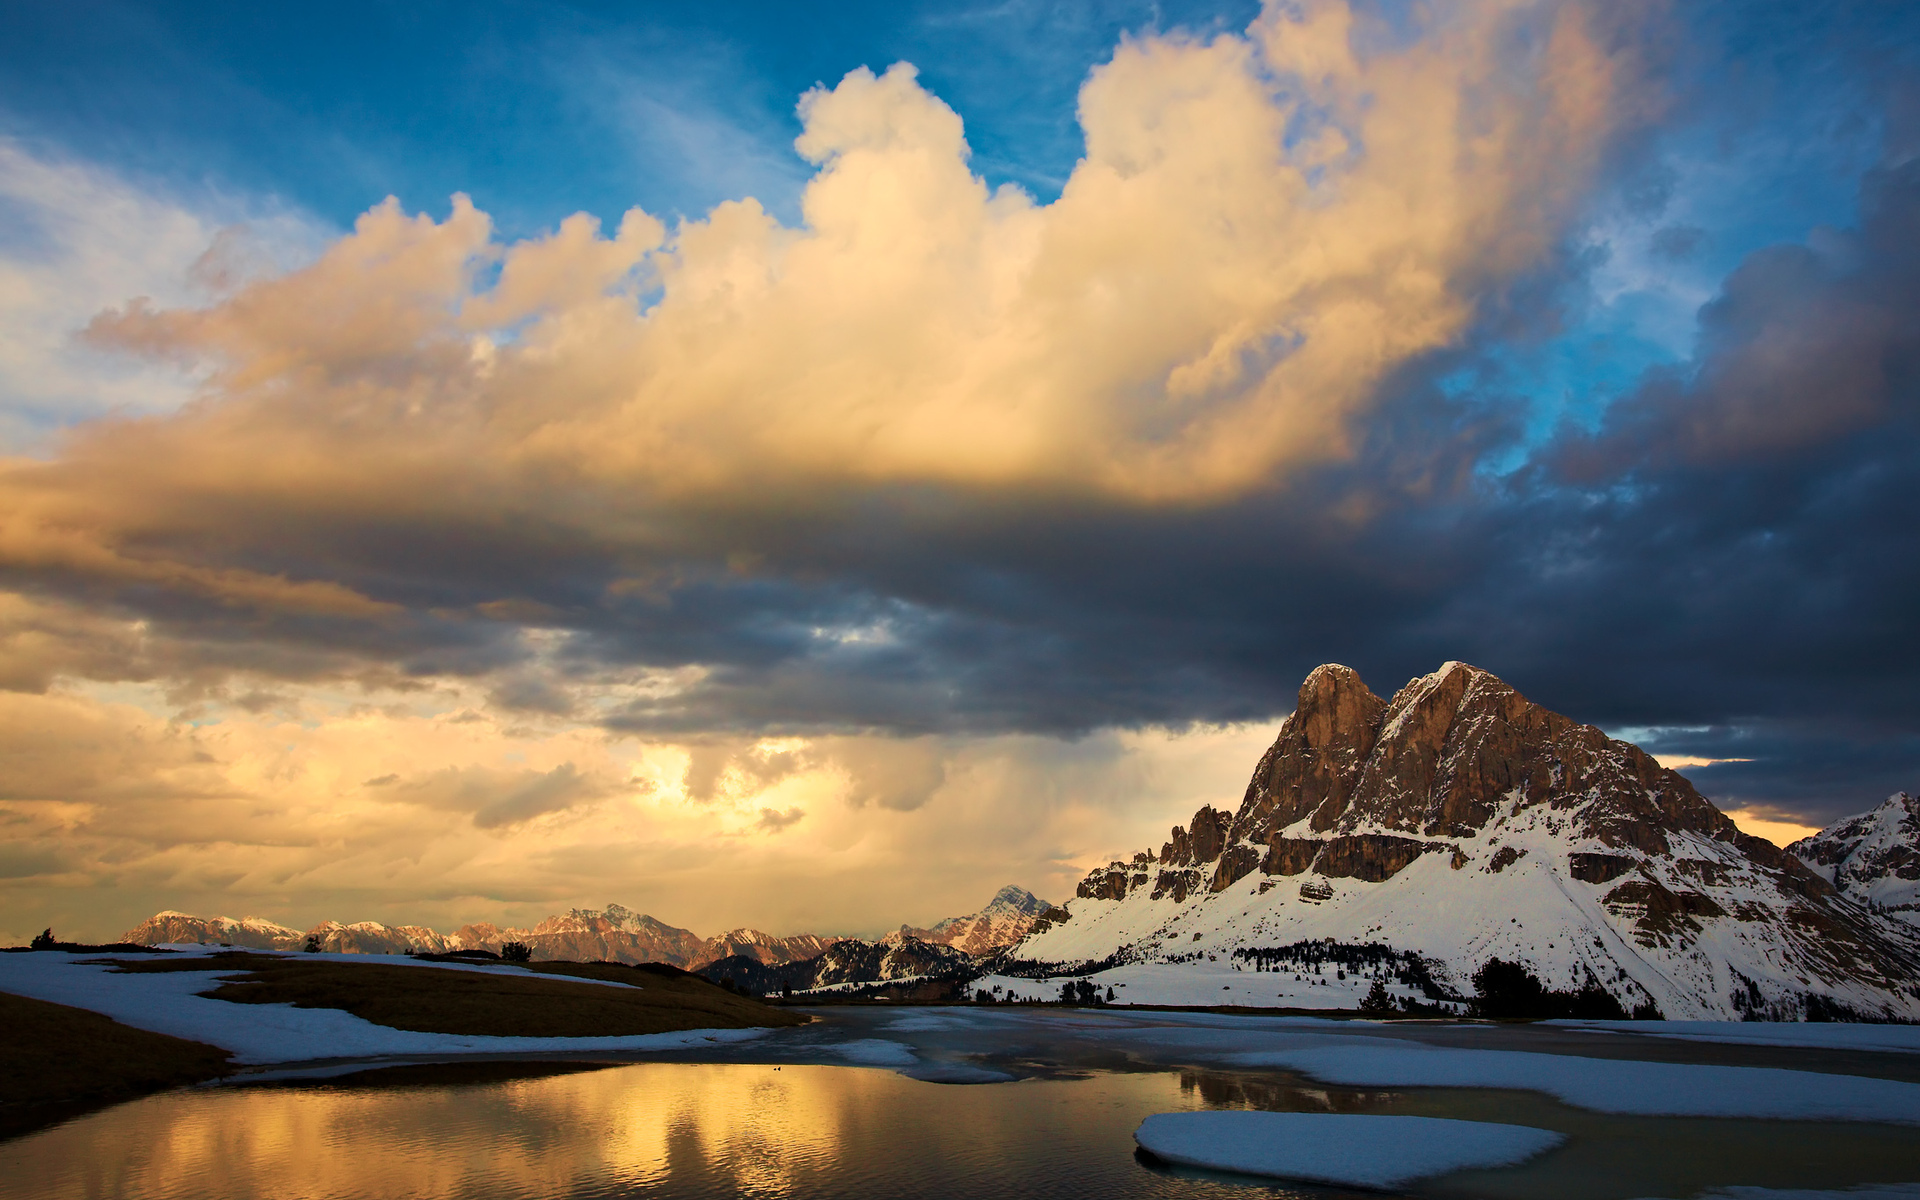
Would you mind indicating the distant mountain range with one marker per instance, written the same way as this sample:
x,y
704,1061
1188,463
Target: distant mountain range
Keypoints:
x,y
1460,822
616,934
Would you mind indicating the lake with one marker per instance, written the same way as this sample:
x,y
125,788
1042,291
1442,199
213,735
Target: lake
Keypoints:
x,y
1060,1124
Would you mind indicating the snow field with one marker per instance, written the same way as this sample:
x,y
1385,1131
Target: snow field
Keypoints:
x,y
1207,984
278,1033
1356,1151
1531,912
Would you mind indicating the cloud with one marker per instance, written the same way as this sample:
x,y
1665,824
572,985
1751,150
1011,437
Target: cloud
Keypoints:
x,y
497,798
487,577
1805,344
80,239
1262,229
403,810
773,820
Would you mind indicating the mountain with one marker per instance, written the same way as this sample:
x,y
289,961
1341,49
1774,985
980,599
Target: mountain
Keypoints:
x,y
1007,918
254,933
898,957
1874,857
1459,822
371,937
616,934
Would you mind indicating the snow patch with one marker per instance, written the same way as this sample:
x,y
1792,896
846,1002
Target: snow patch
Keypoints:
x,y
277,1033
1338,1148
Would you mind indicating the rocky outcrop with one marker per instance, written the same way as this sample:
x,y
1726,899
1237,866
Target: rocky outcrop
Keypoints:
x,y
1608,868
1873,858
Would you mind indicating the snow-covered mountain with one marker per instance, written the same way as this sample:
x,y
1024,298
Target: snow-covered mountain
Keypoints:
x,y
1461,822
899,956
255,933
1007,918
1873,857
371,937
616,934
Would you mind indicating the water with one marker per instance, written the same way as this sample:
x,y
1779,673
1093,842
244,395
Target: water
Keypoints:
x,y
773,1118
655,1129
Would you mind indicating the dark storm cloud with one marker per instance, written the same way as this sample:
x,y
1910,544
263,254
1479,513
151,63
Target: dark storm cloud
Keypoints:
x,y
1818,770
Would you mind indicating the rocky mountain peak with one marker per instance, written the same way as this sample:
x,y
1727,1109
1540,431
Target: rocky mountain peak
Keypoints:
x,y
1458,781
1015,899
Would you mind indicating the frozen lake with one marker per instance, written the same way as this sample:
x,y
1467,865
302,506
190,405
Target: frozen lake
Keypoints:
x,y
1005,1102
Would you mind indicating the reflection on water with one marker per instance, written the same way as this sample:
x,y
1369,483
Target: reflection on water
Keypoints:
x,y
647,1129
735,1129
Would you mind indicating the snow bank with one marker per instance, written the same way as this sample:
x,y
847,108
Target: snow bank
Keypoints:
x,y
1897,1038
276,1033
1337,1148
1608,1085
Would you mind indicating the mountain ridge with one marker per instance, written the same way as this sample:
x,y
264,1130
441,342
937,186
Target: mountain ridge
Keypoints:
x,y
613,934
1462,822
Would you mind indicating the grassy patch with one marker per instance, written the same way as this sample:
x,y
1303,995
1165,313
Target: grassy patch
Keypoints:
x,y
57,1062
476,1003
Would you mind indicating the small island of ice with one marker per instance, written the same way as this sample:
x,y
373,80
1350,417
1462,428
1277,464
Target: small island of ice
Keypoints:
x,y
1337,1148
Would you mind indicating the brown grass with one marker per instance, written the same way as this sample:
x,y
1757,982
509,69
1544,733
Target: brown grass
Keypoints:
x,y
57,1062
437,1000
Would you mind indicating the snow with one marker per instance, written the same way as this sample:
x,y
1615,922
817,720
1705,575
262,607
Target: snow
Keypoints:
x,y
1532,912
1880,1038
1337,1148
1869,849
1206,985
277,1033
1609,1085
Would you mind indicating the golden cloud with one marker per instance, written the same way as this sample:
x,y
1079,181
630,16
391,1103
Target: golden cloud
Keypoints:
x,y
1264,226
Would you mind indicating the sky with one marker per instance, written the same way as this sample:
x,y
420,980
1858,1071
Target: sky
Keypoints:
x,y
808,466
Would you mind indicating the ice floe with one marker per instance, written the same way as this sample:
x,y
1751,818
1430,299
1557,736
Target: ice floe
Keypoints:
x,y
1338,1148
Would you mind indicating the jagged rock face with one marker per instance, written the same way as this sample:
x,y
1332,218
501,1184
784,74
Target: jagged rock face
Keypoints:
x,y
1007,918
1873,857
1439,761
1458,790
